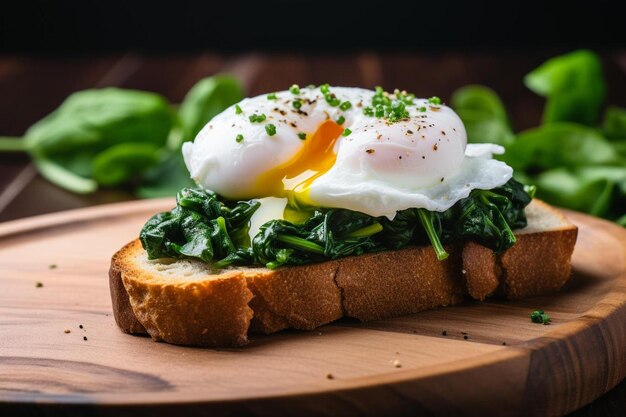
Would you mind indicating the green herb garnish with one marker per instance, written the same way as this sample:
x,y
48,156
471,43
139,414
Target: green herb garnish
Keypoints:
x,y
238,109
539,316
345,105
340,120
434,100
302,135
297,104
239,138
294,89
257,118
270,129
346,132
271,96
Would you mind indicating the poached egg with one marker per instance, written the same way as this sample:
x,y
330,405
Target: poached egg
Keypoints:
x,y
324,147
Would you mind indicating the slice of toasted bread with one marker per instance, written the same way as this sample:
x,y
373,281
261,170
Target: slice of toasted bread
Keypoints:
x,y
185,302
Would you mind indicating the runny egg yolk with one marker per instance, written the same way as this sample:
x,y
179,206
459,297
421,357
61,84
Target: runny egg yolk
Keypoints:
x,y
293,178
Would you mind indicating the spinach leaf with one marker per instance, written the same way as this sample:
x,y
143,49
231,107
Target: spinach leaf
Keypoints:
x,y
559,144
600,191
483,115
200,227
614,126
111,136
203,226
100,137
573,85
205,100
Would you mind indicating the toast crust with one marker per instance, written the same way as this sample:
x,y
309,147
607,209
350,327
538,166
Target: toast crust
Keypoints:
x,y
209,308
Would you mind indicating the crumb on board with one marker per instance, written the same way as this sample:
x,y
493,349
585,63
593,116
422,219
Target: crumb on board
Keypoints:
x,y
503,343
465,337
53,266
66,331
330,376
38,284
80,326
84,337
444,333
396,363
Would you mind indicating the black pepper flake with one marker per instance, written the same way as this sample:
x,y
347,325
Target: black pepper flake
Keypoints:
x,y
503,343
442,179
409,132
369,151
435,147
443,132
423,157
282,112
293,124
400,157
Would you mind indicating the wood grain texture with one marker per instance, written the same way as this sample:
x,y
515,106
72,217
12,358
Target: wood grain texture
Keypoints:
x,y
389,367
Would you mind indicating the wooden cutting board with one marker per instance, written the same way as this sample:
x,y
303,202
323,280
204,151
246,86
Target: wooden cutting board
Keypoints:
x,y
61,352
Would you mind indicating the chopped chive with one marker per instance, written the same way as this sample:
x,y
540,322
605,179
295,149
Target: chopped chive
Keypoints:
x,y
297,104
324,88
238,109
539,316
257,118
295,89
332,99
270,129
345,105
239,138
271,96
341,120
346,132
423,109
434,100
302,135
368,111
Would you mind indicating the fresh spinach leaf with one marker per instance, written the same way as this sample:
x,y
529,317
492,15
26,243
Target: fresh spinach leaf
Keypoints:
x,y
559,145
205,100
483,115
614,126
573,86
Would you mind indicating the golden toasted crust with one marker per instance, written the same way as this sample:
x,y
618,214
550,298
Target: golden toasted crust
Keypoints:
x,y
301,297
205,312
394,283
481,271
185,302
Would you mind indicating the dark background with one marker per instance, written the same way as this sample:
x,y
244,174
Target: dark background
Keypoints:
x,y
306,25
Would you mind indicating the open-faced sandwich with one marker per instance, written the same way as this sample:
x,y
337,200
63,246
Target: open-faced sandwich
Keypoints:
x,y
325,202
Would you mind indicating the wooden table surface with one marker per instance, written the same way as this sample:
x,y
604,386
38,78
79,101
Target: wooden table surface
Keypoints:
x,y
31,87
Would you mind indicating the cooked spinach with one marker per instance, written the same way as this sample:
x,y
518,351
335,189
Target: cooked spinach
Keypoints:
x,y
205,227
